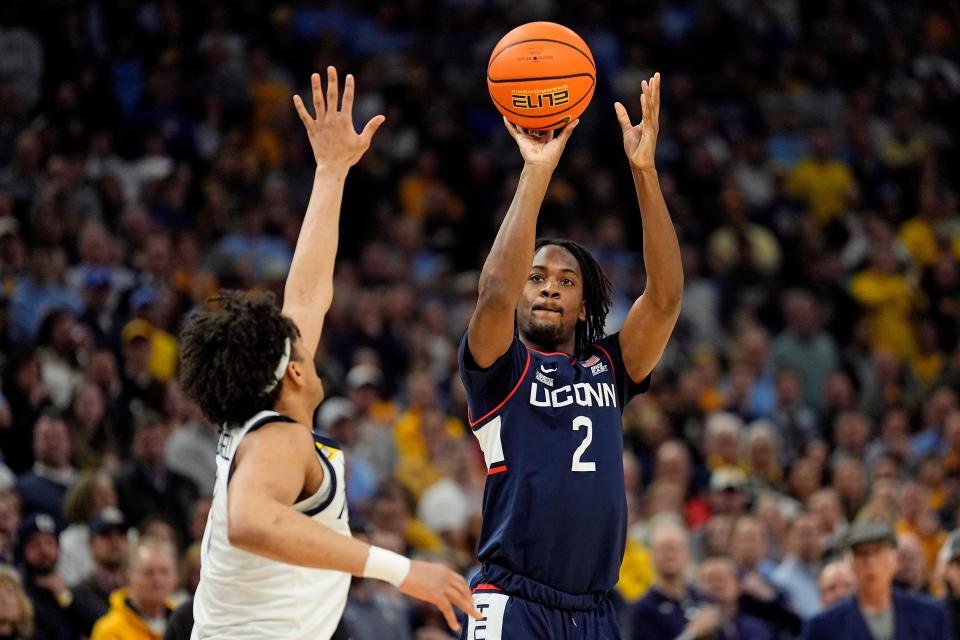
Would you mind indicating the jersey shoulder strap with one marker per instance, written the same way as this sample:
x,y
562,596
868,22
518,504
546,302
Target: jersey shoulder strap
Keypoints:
x,y
261,419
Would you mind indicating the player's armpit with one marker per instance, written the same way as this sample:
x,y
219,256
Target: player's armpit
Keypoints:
x,y
644,336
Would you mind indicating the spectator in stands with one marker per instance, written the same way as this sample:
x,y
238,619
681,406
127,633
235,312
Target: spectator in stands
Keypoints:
x,y
850,483
92,492
758,595
672,463
822,182
145,486
671,607
192,447
141,611
877,610
836,582
729,492
717,580
917,518
59,615
110,550
38,292
139,389
912,574
91,431
832,525
16,610
797,573
9,521
805,346
951,581
43,488
796,421
58,347
888,300
761,455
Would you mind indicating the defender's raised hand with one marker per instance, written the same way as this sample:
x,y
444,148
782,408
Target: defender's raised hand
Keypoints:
x,y
334,141
542,150
640,141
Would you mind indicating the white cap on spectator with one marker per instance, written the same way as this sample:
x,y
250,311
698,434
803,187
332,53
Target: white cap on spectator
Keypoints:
x,y
334,410
7,480
363,375
727,478
444,507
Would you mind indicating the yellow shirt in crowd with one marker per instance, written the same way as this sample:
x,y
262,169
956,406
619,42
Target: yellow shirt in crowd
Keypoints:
x,y
824,186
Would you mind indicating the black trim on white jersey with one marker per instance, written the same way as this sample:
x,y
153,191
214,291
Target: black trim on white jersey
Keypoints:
x,y
265,420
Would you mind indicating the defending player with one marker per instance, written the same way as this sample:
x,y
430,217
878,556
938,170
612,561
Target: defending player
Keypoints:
x,y
279,499
546,404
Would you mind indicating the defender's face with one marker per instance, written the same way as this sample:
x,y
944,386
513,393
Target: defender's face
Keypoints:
x,y
552,300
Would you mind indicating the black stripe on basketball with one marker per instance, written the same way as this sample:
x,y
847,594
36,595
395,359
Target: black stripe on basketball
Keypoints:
x,y
572,75
566,44
588,92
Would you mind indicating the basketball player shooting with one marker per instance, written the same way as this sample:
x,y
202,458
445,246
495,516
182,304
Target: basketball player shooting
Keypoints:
x,y
545,392
277,554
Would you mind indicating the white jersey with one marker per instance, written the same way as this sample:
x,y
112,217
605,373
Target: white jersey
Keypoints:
x,y
244,596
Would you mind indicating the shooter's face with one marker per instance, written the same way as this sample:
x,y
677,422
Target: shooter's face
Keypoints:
x,y
552,301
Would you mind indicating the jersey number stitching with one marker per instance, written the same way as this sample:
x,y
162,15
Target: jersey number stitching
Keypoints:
x,y
579,465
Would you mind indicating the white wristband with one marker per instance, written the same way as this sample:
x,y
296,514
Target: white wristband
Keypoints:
x,y
387,566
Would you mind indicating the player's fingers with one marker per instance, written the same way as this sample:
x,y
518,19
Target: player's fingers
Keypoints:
x,y
448,613
644,108
347,106
301,111
656,87
462,597
567,131
333,91
318,105
622,117
371,128
510,128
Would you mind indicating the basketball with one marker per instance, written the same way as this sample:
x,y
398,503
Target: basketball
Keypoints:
x,y
541,76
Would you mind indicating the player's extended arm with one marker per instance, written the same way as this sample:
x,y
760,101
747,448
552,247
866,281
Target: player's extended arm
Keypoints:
x,y
507,266
652,317
269,472
336,147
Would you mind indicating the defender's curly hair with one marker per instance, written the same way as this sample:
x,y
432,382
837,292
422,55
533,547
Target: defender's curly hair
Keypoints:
x,y
228,355
597,293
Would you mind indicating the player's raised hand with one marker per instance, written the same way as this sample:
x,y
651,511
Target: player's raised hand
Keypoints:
x,y
640,141
335,142
444,588
543,149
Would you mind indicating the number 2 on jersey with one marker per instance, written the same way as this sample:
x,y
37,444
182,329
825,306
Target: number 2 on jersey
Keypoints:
x,y
578,464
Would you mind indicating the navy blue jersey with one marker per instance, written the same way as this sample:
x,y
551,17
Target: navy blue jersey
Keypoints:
x,y
554,508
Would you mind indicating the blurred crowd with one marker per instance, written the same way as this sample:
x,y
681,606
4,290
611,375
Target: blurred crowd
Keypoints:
x,y
150,154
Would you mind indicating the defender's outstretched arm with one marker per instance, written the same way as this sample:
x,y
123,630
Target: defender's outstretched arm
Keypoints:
x,y
336,147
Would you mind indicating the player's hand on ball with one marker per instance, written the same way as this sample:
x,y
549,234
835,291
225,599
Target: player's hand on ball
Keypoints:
x,y
335,142
436,583
640,141
543,150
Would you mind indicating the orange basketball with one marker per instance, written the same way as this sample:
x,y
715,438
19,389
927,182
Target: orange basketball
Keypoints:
x,y
541,76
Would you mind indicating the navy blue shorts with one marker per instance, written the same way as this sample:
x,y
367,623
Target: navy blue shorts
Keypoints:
x,y
515,608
